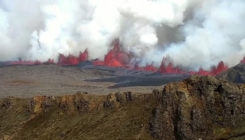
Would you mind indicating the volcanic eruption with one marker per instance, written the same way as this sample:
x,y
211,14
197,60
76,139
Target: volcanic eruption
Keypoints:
x,y
169,36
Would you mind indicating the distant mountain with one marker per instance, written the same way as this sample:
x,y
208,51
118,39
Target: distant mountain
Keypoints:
x,y
234,74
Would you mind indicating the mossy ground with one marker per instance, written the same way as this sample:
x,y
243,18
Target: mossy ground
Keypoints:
x,y
232,133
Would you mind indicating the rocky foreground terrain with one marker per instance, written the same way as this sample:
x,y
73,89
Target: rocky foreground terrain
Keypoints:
x,y
197,108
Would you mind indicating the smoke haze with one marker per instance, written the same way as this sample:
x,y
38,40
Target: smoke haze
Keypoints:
x,y
192,33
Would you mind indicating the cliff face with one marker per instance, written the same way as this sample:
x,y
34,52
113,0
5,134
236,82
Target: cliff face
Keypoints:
x,y
196,108
200,108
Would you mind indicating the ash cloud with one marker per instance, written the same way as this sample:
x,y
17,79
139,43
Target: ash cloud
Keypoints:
x,y
192,33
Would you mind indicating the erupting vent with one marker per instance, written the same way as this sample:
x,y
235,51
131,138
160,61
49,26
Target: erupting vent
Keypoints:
x,y
202,37
117,58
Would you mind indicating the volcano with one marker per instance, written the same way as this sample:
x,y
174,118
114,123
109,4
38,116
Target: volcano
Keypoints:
x,y
117,71
71,74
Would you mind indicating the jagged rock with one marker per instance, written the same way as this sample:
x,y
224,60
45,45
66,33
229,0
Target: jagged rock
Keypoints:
x,y
199,108
157,95
196,108
40,103
120,98
6,104
156,92
126,96
76,102
81,104
78,116
234,74
70,103
111,101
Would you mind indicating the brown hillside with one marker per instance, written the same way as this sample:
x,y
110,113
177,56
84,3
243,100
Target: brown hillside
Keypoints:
x,y
196,108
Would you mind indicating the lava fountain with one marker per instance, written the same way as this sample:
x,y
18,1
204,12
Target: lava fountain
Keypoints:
x,y
118,58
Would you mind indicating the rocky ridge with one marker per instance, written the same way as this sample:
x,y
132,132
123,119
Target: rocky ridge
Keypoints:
x,y
78,116
200,108
195,108
234,74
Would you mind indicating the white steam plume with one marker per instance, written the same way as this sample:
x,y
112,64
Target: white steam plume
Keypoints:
x,y
193,33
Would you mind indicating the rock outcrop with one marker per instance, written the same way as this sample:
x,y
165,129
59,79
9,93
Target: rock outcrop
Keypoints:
x,y
113,116
200,108
79,102
234,74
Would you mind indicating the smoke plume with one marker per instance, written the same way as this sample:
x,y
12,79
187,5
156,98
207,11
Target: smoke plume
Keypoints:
x,y
192,33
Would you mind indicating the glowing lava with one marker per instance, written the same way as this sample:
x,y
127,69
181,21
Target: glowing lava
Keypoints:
x,y
243,61
118,58
72,60
115,57
147,67
214,70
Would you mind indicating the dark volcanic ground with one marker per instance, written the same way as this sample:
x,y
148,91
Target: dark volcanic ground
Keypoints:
x,y
28,81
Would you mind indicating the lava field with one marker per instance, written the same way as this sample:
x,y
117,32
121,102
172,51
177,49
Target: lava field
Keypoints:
x,y
51,79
